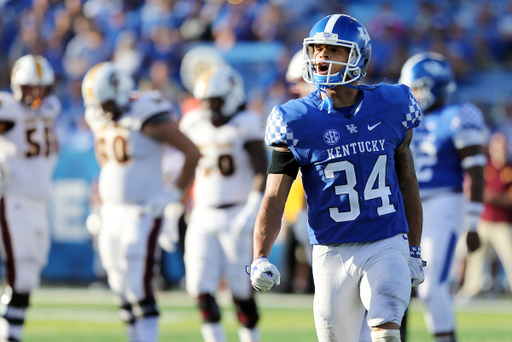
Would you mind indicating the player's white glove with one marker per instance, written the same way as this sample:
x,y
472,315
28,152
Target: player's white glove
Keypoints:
x,y
416,265
243,223
156,205
169,235
264,274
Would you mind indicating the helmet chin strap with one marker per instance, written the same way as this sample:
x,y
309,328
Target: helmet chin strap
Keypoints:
x,y
327,102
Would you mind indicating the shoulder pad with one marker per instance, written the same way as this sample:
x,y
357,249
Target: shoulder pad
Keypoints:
x,y
94,118
142,108
51,107
394,93
190,119
250,124
470,116
406,107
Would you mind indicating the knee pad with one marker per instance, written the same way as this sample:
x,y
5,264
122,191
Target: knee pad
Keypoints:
x,y
145,308
209,308
247,312
391,335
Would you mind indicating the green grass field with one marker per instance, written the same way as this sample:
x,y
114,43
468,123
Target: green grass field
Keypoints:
x,y
79,315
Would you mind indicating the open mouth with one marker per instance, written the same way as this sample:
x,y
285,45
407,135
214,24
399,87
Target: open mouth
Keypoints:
x,y
322,68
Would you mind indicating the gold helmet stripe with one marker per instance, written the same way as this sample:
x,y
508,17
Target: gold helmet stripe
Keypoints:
x,y
39,69
89,80
204,79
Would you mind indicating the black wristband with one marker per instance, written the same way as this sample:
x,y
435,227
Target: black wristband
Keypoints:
x,y
283,163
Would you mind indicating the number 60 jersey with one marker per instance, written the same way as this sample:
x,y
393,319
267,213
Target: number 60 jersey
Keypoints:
x,y
131,161
29,148
347,161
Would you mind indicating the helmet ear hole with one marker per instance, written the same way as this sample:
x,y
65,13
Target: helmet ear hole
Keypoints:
x,y
110,109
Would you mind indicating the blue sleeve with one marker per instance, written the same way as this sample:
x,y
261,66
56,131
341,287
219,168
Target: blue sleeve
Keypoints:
x,y
412,113
277,132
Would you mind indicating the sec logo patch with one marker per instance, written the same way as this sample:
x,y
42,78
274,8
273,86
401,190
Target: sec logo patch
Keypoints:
x,y
331,137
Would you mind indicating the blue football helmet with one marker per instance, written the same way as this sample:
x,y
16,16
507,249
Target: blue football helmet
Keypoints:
x,y
430,76
339,30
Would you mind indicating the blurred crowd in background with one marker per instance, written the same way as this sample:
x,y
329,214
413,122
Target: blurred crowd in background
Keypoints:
x,y
148,39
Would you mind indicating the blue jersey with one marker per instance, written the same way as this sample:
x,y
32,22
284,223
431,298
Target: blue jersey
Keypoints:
x,y
436,141
347,162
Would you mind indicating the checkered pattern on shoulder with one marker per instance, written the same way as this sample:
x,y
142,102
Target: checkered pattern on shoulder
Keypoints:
x,y
277,132
471,117
413,118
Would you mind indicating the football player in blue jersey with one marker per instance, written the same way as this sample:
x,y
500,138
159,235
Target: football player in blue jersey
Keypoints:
x,y
446,145
351,143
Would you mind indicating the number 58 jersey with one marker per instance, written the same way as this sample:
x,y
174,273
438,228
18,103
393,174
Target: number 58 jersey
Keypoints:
x,y
29,149
347,161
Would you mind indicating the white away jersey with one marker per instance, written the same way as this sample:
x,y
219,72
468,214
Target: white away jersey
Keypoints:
x,y
436,141
30,148
131,161
224,173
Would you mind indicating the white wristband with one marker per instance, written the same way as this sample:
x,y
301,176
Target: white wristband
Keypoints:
x,y
473,212
476,160
474,208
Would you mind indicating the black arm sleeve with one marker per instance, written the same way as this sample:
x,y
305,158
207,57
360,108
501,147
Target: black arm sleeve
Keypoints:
x,y
283,163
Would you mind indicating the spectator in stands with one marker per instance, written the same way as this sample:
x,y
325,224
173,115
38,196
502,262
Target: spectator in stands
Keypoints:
x,y
495,227
85,50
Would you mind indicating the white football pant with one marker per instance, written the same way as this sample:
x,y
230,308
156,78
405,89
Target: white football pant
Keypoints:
x,y
25,241
352,277
127,243
442,223
211,251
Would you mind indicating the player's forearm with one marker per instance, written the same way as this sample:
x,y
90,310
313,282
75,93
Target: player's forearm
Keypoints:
x,y
267,228
476,189
413,213
189,166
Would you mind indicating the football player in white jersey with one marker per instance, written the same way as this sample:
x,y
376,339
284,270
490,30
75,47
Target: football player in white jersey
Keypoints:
x,y
130,132
28,153
227,194
446,146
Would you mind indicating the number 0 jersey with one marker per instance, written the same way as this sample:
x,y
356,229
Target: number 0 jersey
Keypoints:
x,y
347,162
131,161
29,149
224,173
436,141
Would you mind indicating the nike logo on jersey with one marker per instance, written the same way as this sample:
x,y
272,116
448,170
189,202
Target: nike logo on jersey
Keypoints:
x,y
370,128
